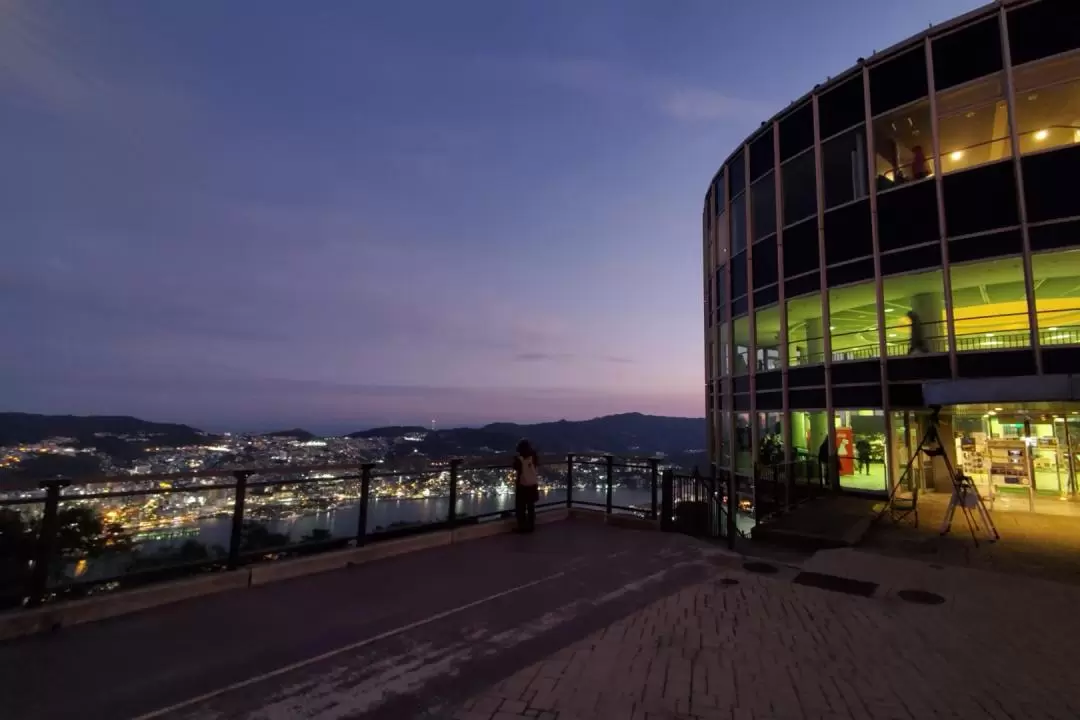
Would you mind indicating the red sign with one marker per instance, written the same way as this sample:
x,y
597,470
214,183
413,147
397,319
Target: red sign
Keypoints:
x,y
845,450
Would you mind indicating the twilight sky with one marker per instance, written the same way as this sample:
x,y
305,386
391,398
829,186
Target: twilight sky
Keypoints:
x,y
258,213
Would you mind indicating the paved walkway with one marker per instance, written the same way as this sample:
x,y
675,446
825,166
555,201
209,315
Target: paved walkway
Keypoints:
x,y
748,646
390,640
1032,544
577,622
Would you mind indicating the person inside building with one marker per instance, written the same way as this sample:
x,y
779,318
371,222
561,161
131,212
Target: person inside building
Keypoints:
x,y
918,337
823,459
527,487
862,455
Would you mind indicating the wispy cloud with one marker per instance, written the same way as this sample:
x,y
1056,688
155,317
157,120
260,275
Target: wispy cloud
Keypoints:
x,y
44,63
665,95
527,357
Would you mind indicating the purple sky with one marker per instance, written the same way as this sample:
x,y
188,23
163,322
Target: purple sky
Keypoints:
x,y
250,215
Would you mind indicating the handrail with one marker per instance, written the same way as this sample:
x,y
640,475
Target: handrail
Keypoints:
x,y
44,554
504,461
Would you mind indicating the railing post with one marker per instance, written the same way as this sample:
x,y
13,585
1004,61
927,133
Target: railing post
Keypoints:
x,y
365,493
236,536
755,471
789,485
569,480
610,471
46,541
732,509
455,464
654,472
667,499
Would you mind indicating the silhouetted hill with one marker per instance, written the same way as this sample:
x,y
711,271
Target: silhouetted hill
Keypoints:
x,y
297,433
627,434
18,428
390,431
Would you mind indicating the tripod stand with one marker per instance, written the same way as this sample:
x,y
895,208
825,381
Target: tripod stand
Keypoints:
x,y
964,494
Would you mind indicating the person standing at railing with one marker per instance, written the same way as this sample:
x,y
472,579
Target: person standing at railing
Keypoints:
x,y
527,486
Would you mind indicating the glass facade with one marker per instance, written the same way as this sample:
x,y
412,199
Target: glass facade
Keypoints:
x,y
911,221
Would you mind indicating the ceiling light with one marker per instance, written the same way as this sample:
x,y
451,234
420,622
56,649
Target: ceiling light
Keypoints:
x,y
999,409
956,155
1042,134
892,334
832,327
888,309
989,334
1053,329
970,114
991,413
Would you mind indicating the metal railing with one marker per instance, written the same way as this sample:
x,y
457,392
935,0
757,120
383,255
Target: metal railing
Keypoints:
x,y
699,506
63,540
781,487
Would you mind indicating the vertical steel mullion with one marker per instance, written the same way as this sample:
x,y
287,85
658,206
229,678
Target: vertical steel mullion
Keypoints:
x,y
1018,168
751,312
830,426
729,382
785,407
879,283
939,189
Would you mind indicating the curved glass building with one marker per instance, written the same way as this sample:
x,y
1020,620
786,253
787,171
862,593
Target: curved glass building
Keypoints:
x,y
905,235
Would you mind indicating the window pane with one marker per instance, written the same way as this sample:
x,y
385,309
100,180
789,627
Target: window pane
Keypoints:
x,y
744,453
721,287
763,204
1048,104
989,305
742,345
1057,296
767,322
842,107
725,351
738,276
915,313
898,81
967,53
770,438
809,430
736,175
843,161
721,238
796,131
903,146
765,263
974,125
738,224
761,155
806,340
1042,29
853,322
798,177
860,449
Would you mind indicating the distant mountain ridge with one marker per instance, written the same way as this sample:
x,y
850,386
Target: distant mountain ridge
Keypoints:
x,y
296,433
624,434
17,428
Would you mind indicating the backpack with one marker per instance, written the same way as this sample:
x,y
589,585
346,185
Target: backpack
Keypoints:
x,y
528,472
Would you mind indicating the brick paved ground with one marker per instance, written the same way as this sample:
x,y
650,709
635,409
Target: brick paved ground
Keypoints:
x,y
767,648
1037,545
